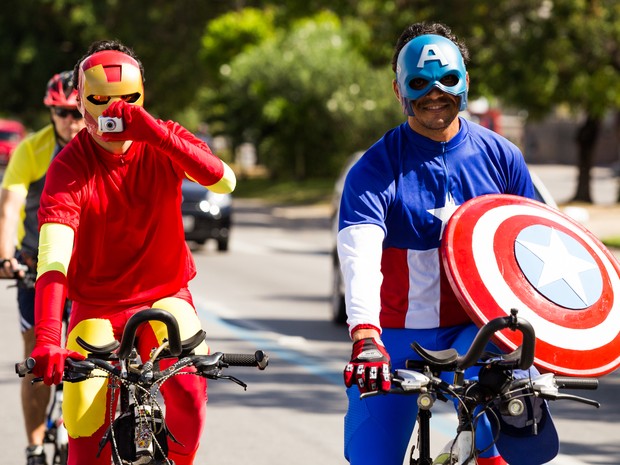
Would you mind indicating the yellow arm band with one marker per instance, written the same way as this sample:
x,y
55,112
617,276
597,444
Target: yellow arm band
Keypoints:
x,y
55,248
225,185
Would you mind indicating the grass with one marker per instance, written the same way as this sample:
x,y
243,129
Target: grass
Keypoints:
x,y
308,192
613,242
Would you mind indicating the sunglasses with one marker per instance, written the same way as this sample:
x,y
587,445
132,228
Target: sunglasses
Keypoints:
x,y
64,112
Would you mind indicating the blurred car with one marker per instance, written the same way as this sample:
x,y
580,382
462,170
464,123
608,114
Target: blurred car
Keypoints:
x,y
338,308
206,215
11,133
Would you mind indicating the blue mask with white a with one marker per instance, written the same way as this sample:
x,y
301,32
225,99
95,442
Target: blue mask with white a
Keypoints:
x,y
429,61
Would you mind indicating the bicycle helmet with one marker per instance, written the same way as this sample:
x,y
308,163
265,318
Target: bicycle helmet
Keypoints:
x,y
60,91
104,77
431,59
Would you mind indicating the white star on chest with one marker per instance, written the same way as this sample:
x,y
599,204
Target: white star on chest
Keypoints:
x,y
444,213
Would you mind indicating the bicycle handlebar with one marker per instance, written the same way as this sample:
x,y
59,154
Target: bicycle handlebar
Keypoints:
x,y
20,268
259,359
78,370
25,367
175,347
566,382
512,322
150,314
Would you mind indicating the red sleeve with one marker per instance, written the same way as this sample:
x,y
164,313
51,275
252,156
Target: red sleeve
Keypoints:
x,y
49,301
192,155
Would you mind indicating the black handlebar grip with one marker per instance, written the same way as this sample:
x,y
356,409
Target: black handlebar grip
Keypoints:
x,y
150,314
258,359
566,382
25,367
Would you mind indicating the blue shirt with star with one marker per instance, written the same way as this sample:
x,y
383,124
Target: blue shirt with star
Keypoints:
x,y
410,185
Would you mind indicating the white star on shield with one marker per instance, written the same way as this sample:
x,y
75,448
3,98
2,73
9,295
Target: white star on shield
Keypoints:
x,y
561,262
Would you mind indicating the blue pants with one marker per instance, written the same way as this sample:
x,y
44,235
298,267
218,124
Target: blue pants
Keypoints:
x,y
377,429
25,303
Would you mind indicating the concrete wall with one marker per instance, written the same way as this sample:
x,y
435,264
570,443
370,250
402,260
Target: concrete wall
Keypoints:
x,y
552,141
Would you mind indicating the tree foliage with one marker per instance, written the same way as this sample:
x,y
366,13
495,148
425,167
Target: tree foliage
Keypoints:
x,y
309,81
305,97
39,38
544,55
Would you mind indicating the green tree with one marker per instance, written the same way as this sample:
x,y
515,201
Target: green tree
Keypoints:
x,y
542,55
306,98
231,34
37,40
536,55
333,95
41,37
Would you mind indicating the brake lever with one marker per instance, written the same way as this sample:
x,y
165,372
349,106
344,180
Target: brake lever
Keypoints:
x,y
234,380
216,373
77,370
582,400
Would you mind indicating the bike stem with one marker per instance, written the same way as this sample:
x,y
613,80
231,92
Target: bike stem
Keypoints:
x,y
424,438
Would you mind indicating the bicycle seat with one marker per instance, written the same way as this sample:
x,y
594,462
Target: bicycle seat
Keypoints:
x,y
189,344
103,352
440,359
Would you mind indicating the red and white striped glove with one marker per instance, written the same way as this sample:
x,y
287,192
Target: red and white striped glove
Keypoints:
x,y
369,367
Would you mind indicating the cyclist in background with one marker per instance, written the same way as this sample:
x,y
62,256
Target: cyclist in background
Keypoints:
x,y
112,238
396,201
22,184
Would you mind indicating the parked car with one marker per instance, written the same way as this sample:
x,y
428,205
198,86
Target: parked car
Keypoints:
x,y
11,133
338,309
206,215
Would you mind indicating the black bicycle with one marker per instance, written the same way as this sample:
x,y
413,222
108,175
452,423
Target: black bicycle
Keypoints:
x,y
138,432
496,392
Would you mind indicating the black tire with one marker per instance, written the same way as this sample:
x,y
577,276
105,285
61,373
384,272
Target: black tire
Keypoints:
x,y
222,245
60,456
339,316
338,306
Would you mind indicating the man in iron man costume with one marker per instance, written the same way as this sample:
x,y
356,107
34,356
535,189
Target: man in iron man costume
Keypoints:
x,y
112,239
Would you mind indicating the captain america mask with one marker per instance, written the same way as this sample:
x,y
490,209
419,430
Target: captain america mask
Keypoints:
x,y
430,61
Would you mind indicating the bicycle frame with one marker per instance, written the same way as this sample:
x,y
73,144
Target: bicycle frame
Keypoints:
x,y
421,378
137,384
55,432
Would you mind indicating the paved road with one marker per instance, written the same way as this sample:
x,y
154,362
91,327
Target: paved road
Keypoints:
x,y
271,292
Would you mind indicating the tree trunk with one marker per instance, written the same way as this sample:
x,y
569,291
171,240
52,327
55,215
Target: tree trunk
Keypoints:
x,y
586,142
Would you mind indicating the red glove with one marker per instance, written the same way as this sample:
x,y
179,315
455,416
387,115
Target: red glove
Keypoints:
x,y
369,367
50,295
138,124
50,362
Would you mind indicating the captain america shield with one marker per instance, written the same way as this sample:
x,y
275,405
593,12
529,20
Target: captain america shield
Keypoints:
x,y
503,251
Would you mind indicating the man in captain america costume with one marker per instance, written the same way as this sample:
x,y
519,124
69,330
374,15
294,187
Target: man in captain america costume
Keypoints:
x,y
111,238
395,204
